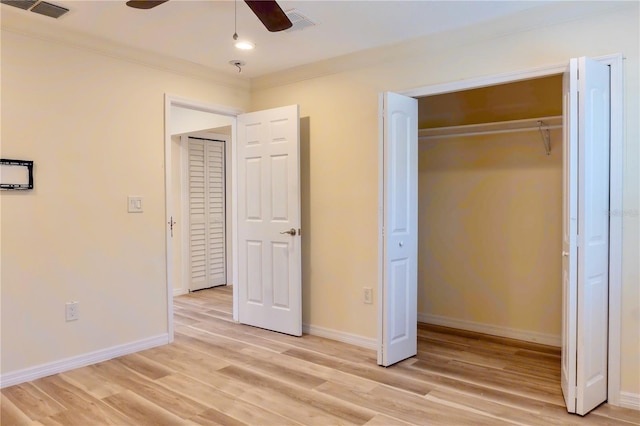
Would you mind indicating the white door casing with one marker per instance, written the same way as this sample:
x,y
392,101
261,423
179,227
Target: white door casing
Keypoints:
x,y
207,206
585,339
268,188
400,228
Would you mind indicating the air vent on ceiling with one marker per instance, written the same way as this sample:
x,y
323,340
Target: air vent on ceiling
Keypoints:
x,y
22,4
49,9
42,8
299,21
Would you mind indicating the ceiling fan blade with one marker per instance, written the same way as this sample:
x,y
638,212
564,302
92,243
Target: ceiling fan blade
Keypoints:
x,y
145,4
270,14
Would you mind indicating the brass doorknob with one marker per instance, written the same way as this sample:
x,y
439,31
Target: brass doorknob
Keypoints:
x,y
291,232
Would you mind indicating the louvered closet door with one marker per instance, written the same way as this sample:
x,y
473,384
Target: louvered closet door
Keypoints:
x,y
207,263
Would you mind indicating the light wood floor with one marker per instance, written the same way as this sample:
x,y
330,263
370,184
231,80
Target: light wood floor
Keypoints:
x,y
221,373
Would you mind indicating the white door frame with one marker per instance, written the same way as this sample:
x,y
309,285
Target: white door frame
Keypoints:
x,y
615,185
169,101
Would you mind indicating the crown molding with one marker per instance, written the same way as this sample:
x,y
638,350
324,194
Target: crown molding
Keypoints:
x,y
44,28
413,51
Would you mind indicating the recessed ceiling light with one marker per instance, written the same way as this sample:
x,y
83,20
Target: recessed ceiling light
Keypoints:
x,y
245,45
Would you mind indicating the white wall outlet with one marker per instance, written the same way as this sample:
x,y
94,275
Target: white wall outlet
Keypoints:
x,y
134,204
71,311
368,295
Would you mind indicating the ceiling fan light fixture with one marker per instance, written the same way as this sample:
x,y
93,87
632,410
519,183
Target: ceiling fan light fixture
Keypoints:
x,y
244,45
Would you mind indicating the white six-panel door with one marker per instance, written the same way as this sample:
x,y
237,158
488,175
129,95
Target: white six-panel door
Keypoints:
x,y
400,228
206,203
269,246
585,235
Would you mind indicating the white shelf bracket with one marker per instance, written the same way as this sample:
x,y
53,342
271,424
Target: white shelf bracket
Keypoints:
x,y
546,136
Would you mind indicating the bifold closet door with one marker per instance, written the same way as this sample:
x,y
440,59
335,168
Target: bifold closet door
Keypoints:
x,y
207,245
399,336
585,252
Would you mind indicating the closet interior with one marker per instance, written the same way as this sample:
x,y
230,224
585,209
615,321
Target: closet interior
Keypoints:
x,y
490,206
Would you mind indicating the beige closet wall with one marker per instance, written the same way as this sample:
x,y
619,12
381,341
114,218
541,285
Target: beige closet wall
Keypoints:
x,y
490,232
490,213
340,163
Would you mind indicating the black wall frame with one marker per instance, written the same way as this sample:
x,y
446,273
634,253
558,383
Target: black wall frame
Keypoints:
x,y
28,184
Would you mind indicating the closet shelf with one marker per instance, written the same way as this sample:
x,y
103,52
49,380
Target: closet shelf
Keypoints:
x,y
529,124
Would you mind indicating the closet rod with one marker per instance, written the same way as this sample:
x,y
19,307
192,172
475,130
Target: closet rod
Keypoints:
x,y
489,132
530,124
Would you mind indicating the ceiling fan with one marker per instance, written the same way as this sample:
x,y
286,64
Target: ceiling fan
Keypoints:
x,y
268,11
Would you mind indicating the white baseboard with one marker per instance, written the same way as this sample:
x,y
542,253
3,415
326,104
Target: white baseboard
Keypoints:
x,y
494,330
179,292
340,336
629,400
43,370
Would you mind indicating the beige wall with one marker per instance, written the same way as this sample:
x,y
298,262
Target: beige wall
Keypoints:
x,y
489,221
340,174
94,126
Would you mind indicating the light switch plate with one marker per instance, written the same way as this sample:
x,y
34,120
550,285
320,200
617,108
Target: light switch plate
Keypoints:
x,y
134,204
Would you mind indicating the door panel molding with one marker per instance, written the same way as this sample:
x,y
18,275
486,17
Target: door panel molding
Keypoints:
x,y
268,188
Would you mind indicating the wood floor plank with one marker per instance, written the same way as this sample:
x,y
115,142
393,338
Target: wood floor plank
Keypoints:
x,y
85,379
223,405
144,366
142,411
240,333
410,408
326,374
12,415
34,403
383,420
478,404
370,372
178,358
150,390
624,414
217,372
225,348
80,407
214,417
494,379
323,407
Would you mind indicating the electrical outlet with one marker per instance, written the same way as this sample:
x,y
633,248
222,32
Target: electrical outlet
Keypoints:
x,y
368,295
71,311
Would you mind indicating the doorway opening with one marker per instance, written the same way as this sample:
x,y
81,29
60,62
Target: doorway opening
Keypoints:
x,y
490,210
201,223
189,117
264,162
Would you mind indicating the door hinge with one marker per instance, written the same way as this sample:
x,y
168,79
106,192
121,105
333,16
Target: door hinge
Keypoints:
x,y
171,223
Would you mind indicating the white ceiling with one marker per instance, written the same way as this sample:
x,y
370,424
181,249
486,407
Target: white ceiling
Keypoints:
x,y
201,31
